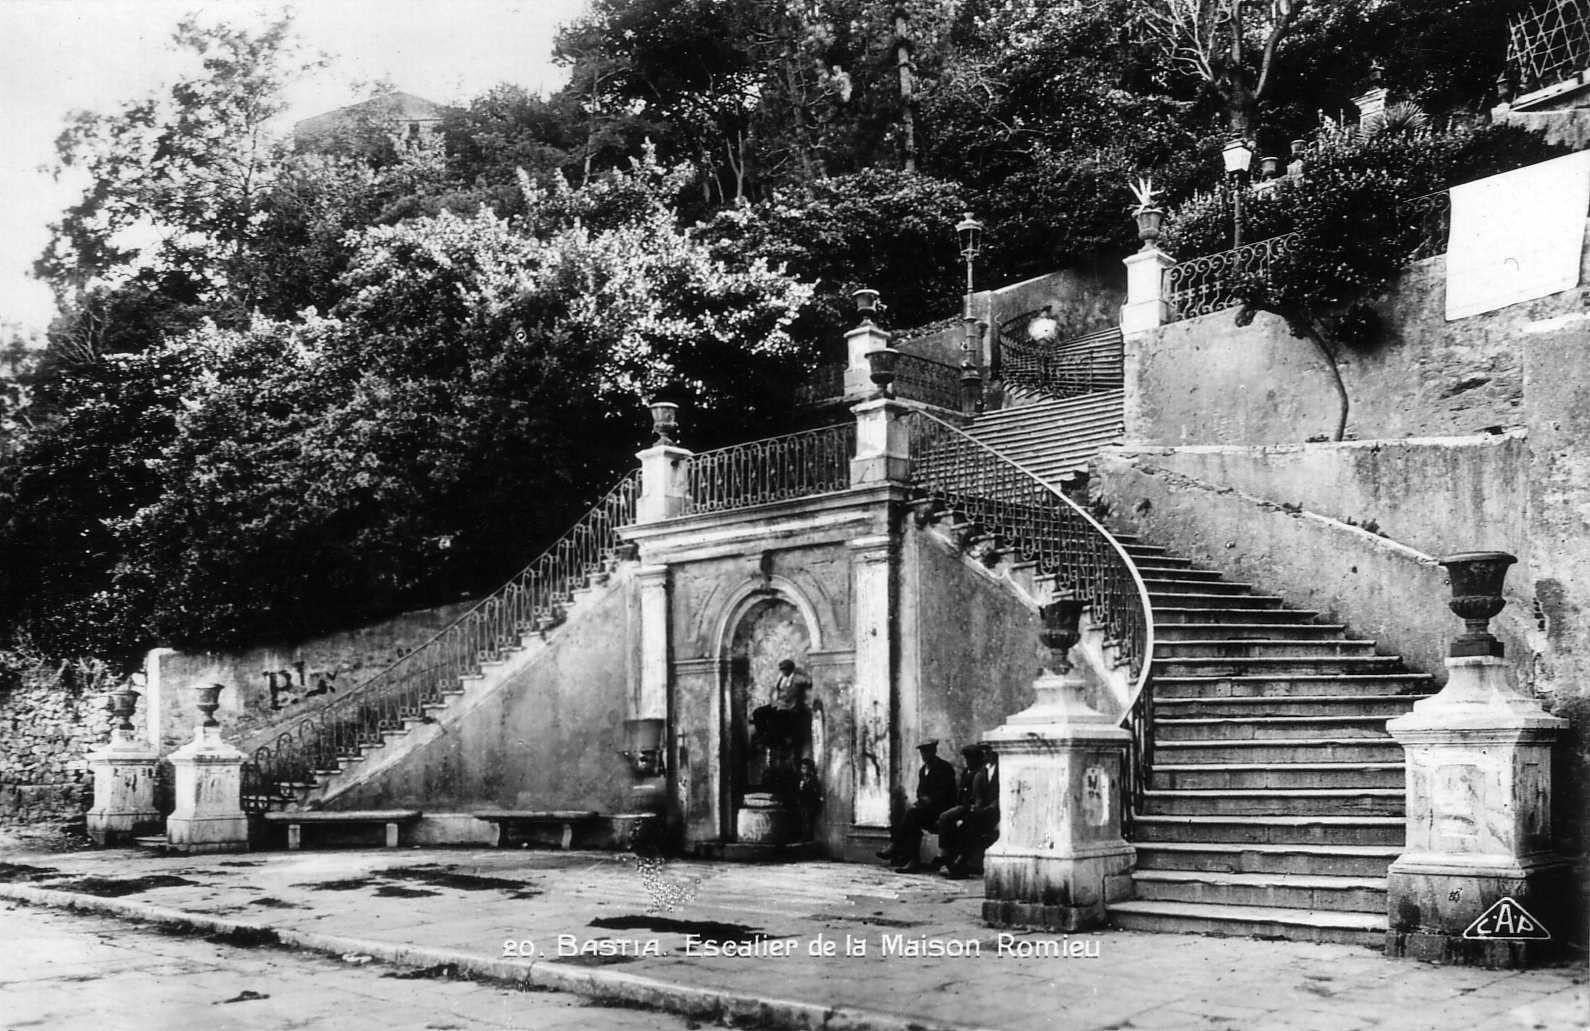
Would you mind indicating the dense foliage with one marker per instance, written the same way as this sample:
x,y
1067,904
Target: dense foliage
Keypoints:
x,y
292,387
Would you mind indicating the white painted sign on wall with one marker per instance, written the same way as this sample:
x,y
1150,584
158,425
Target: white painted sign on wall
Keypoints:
x,y
1517,236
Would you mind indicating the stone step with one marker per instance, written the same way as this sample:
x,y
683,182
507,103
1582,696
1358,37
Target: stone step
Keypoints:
x,y
1331,860
1367,929
1179,612
1275,802
1151,552
1284,776
1235,831
1162,570
1267,728
1342,749
1192,585
1172,563
1411,685
1384,706
1173,632
1207,601
1257,647
1274,665
1278,890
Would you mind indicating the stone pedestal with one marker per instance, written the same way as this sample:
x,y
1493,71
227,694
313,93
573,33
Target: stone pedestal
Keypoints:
x,y
124,791
1145,290
1060,858
883,447
209,815
1479,825
763,820
860,342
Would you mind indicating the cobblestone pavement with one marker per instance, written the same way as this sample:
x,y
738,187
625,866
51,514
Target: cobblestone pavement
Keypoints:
x,y
511,913
73,972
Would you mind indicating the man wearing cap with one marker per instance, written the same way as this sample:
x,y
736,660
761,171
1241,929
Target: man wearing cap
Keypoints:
x,y
935,792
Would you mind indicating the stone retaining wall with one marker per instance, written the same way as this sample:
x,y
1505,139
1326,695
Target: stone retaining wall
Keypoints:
x,y
46,731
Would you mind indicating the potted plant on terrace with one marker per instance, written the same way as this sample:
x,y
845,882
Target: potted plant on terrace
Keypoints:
x,y
1150,216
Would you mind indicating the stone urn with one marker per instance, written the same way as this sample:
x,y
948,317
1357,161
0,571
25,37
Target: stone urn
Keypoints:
x,y
123,703
1149,221
1477,579
883,363
209,699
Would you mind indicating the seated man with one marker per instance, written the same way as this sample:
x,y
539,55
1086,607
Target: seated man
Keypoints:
x,y
953,822
979,828
935,792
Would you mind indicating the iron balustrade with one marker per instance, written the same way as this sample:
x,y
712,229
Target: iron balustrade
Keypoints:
x,y
1071,368
824,383
534,600
954,471
1548,44
932,382
795,465
1201,286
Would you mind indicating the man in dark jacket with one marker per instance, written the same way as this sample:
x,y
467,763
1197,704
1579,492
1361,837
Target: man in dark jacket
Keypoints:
x,y
935,792
977,825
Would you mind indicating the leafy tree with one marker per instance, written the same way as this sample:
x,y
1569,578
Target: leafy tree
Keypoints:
x,y
1230,46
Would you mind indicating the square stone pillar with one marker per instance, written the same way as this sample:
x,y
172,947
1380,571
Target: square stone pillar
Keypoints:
x,y
1145,290
209,815
860,342
664,483
882,443
652,702
1479,825
124,790
874,607
1060,858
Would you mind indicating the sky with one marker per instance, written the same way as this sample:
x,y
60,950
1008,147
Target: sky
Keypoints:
x,y
57,56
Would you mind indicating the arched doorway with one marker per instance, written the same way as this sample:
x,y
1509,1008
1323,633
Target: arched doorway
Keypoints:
x,y
770,727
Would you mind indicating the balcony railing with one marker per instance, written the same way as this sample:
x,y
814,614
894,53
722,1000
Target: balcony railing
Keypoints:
x,y
922,379
535,599
1201,286
1548,44
1068,368
951,470
795,465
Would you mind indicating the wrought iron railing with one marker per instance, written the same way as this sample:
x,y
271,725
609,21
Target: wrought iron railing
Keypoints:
x,y
1069,368
535,599
1548,44
932,382
774,469
1027,516
824,383
1201,286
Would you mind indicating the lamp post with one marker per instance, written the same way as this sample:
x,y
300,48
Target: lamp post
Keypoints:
x,y
1238,156
969,234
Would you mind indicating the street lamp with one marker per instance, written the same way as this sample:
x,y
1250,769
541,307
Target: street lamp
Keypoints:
x,y
969,232
1238,155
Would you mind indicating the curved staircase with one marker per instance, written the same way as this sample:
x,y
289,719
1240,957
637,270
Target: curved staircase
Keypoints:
x,y
1275,800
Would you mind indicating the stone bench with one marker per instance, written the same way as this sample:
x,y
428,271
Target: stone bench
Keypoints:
x,y
295,822
507,820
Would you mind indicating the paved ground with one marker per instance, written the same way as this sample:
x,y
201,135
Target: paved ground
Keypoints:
x,y
98,974
506,913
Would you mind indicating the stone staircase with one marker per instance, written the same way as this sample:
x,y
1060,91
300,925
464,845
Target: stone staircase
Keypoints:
x,y
1275,803
1054,438
453,700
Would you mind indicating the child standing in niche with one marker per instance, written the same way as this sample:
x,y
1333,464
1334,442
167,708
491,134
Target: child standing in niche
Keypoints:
x,y
809,797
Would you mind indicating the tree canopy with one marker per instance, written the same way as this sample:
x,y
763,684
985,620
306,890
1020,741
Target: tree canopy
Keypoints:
x,y
293,386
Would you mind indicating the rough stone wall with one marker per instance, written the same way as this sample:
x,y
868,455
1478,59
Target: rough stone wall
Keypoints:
x,y
1557,389
307,674
1206,381
46,733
